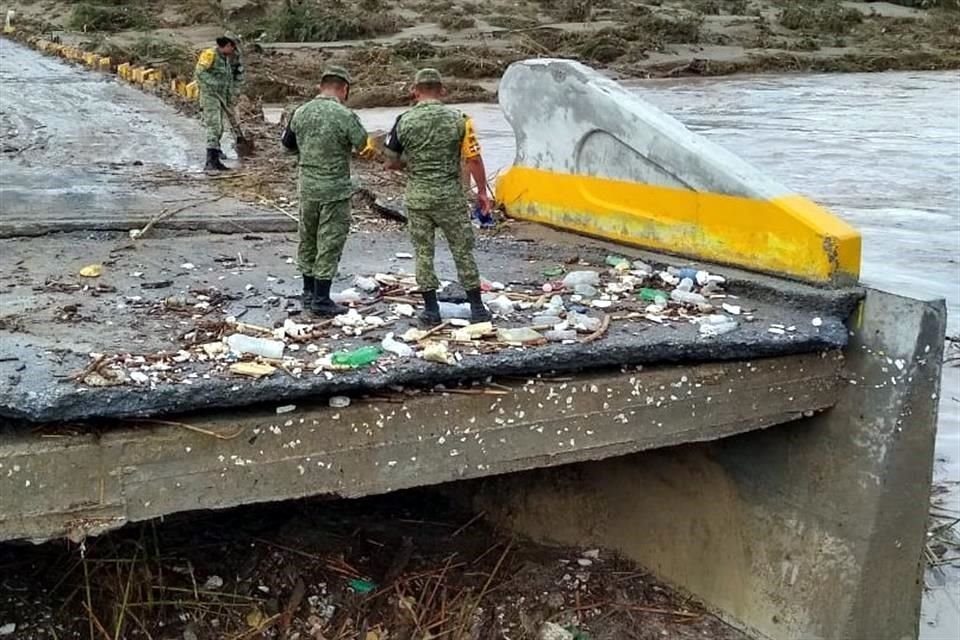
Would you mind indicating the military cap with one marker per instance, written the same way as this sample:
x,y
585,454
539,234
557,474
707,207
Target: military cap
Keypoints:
x,y
228,37
427,76
335,71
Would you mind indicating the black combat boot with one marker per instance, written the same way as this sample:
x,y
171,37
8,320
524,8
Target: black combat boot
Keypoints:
x,y
213,161
306,298
478,310
322,305
430,316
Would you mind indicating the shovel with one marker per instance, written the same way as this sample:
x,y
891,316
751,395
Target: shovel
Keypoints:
x,y
244,146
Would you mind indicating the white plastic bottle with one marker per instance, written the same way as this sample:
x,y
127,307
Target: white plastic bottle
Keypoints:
x,y
262,347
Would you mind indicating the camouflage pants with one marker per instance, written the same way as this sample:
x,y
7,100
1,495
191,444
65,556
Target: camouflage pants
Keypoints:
x,y
213,116
323,232
454,223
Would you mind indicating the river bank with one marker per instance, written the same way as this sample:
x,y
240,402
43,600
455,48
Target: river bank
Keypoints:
x,y
383,42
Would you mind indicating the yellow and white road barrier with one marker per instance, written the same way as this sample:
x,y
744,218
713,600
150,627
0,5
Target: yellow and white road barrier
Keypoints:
x,y
594,158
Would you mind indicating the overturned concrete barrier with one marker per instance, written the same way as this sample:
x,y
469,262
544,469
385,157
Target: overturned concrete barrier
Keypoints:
x,y
594,158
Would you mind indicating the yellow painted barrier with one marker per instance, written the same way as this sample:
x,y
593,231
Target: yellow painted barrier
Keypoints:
x,y
596,159
193,91
104,63
123,70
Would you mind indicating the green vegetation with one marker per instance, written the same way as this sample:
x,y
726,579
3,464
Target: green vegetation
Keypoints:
x,y
827,16
303,22
109,16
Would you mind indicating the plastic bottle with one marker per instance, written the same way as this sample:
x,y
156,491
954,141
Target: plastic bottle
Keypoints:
x,y
686,297
395,347
240,343
521,335
685,285
361,357
501,305
555,306
449,310
581,277
369,285
582,322
346,296
683,272
654,295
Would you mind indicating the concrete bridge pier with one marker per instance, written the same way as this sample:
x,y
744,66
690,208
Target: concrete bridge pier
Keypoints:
x,y
811,532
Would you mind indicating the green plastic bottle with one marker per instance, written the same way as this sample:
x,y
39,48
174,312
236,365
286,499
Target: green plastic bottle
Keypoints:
x,y
362,357
653,295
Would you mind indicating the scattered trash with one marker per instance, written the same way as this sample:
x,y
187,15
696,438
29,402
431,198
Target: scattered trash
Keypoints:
x,y
716,325
252,369
501,305
287,408
362,586
481,218
367,285
213,349
296,330
817,322
437,352
732,309
777,331
521,335
403,255
362,357
413,335
560,335
452,310
240,344
554,272
582,322
397,348
581,277
617,262
404,310
347,296
473,331
339,402
92,271
546,321
602,304
553,631
687,297
189,266
584,289
654,295
593,554
212,583
584,562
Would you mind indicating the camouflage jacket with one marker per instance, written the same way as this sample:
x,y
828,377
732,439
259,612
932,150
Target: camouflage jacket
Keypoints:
x,y
433,139
325,132
239,72
214,74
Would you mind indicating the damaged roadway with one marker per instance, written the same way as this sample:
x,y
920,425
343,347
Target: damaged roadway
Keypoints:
x,y
53,319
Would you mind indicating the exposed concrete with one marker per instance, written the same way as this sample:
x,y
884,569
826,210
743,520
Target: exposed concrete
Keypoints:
x,y
816,532
59,483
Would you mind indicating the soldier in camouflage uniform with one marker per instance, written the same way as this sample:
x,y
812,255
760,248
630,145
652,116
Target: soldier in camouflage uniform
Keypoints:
x,y
214,75
433,140
324,132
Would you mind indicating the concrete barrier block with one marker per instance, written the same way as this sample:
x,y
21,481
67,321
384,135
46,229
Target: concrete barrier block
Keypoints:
x,y
193,91
104,63
595,158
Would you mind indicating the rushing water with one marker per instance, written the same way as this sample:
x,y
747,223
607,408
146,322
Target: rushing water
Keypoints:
x,y
883,152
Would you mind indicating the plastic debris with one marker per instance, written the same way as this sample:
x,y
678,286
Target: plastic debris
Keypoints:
x,y
362,357
92,271
585,290
347,296
582,322
413,335
683,272
213,582
362,586
473,331
450,310
593,554
8,629
553,272
521,335
777,331
189,266
437,352
654,295
560,335
367,285
717,325
403,255
240,344
687,297
287,408
546,320
351,318
402,309
395,347
617,262
640,265
817,322
295,330
602,304
553,631
339,402
481,218
669,278
581,277
252,369
213,349
732,309
501,305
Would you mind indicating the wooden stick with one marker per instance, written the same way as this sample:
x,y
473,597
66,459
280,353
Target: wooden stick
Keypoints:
x,y
440,327
604,325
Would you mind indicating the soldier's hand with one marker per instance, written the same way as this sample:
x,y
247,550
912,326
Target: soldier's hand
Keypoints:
x,y
484,201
